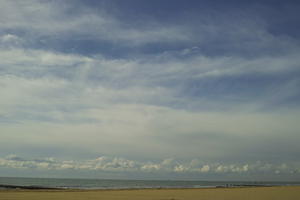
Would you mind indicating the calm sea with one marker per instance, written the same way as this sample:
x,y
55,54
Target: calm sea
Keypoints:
x,y
126,184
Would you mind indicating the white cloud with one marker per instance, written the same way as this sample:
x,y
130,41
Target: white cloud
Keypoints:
x,y
115,164
180,168
233,168
205,168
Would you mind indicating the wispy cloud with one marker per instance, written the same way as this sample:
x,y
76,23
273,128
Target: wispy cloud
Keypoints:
x,y
162,101
55,20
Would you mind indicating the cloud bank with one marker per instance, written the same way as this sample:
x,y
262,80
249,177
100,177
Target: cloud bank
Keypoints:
x,y
115,164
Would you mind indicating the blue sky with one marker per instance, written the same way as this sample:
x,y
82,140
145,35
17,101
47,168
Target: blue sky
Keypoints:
x,y
150,89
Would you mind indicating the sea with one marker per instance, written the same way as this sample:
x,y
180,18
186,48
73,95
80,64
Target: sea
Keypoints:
x,y
60,183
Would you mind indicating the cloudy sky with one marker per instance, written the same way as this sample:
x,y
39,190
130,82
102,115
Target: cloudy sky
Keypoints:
x,y
169,89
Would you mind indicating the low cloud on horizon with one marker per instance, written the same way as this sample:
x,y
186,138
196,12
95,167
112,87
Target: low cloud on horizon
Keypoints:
x,y
167,168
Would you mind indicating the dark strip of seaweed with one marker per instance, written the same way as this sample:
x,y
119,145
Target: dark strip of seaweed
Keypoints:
x,y
30,187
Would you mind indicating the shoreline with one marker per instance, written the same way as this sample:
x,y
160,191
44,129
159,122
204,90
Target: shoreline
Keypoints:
x,y
13,183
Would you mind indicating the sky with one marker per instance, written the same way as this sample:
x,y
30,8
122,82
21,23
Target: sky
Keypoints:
x,y
138,89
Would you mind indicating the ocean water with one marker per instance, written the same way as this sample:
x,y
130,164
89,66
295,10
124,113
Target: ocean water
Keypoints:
x,y
126,184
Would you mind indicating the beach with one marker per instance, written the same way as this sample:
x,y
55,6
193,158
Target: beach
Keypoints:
x,y
257,193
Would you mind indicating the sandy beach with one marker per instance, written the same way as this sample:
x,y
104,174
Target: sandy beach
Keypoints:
x,y
257,193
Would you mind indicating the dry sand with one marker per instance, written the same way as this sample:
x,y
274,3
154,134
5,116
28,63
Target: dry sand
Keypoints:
x,y
257,193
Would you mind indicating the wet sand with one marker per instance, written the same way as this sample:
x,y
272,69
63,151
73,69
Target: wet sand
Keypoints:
x,y
253,193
